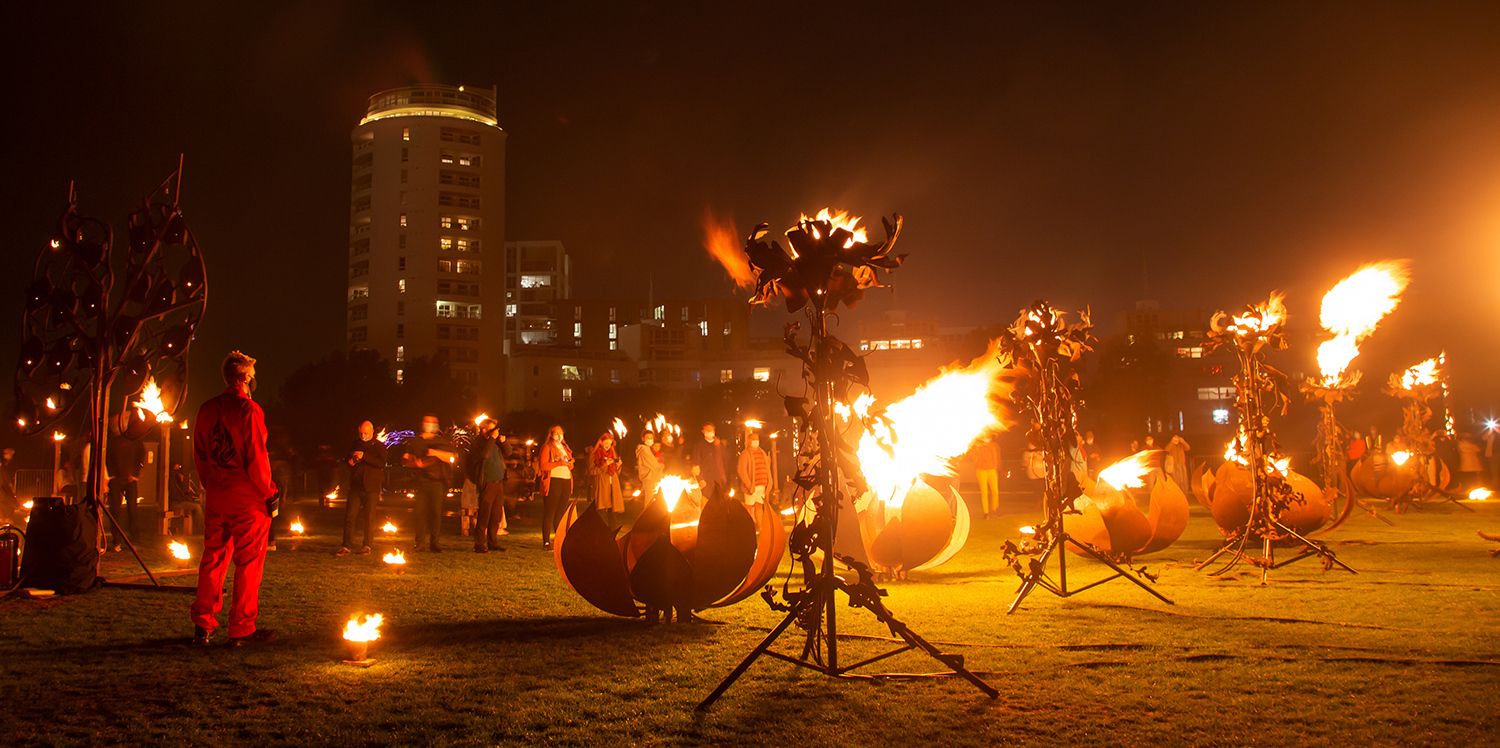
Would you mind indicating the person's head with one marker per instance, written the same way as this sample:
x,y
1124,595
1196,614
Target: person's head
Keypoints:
x,y
1088,436
366,431
489,427
1150,441
708,432
555,434
1358,435
430,426
607,440
648,438
753,440
1177,438
668,438
7,453
239,371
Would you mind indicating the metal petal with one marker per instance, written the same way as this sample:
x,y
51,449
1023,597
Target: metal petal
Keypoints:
x,y
590,562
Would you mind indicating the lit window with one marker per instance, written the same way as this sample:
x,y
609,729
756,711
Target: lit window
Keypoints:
x,y
703,328
400,354
567,396
1191,352
399,376
1217,393
1221,416
880,345
1176,335
726,329
445,309
661,312
359,292
510,310
762,374
403,219
446,158
577,329
536,281
916,344
614,345
401,286
614,331
446,222
726,375
445,243
406,133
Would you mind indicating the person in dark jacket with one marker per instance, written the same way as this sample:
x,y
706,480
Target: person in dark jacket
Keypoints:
x,y
711,462
229,449
432,456
367,458
126,458
487,463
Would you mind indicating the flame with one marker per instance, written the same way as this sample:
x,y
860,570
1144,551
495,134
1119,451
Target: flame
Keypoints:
x,y
753,423
619,428
1353,308
1400,457
179,551
150,402
1129,472
789,511
480,418
1281,464
331,495
1028,530
925,432
1423,373
367,631
297,526
395,557
684,525
28,504
842,220
381,436
388,527
671,489
1480,494
1262,317
636,494
723,244
51,404
58,436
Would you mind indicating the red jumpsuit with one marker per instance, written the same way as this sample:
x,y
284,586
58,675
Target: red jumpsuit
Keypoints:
x,y
229,448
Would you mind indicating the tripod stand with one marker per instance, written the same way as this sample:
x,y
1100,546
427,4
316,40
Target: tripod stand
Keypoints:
x,y
1041,345
829,366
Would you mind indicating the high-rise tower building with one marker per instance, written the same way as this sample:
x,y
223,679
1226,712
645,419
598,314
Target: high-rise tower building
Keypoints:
x,y
427,233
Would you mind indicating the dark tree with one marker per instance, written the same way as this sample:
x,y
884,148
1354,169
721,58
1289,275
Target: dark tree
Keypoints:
x,y
1128,387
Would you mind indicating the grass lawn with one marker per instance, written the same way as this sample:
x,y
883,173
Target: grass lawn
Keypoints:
x,y
495,649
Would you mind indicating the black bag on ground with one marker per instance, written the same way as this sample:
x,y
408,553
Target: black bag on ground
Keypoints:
x,y
62,552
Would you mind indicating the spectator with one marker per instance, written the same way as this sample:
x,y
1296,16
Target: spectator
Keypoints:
x,y
987,472
648,465
755,477
431,455
710,462
126,457
557,482
367,459
487,470
607,494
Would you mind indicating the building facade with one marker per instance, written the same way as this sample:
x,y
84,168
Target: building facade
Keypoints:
x,y
537,275
426,230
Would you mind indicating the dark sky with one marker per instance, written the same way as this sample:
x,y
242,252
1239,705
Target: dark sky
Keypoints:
x,y
1036,150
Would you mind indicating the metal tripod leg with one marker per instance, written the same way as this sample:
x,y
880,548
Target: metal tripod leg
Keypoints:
x,y
1122,572
1030,581
760,649
128,544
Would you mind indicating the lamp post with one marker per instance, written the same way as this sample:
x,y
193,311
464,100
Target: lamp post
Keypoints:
x,y
57,440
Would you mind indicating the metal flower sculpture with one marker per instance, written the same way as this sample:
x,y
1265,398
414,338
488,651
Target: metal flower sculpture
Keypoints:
x,y
924,529
827,262
1254,496
90,350
1110,520
1046,352
1351,311
679,556
1413,472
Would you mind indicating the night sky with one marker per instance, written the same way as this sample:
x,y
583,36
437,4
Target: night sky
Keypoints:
x,y
1201,155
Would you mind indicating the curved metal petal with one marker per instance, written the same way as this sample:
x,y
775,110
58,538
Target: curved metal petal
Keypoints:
x,y
1168,517
590,562
724,553
961,524
662,577
770,545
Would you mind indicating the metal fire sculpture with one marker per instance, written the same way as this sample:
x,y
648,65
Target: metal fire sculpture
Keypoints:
x,y
1351,311
828,261
1111,520
89,351
1255,495
1413,472
680,555
1045,352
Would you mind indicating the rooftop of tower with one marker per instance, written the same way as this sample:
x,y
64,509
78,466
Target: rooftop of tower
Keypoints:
x,y
433,101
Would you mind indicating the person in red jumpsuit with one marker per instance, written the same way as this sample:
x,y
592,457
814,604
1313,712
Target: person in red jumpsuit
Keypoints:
x,y
229,447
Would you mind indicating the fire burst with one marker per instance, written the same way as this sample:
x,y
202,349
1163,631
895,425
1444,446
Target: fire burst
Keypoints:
x,y
924,433
723,244
365,631
1129,472
672,488
1353,308
179,551
619,429
150,402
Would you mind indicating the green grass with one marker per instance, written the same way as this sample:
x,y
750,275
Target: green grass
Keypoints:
x,y
495,649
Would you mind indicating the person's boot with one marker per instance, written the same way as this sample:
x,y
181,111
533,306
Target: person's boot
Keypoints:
x,y
202,637
259,636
